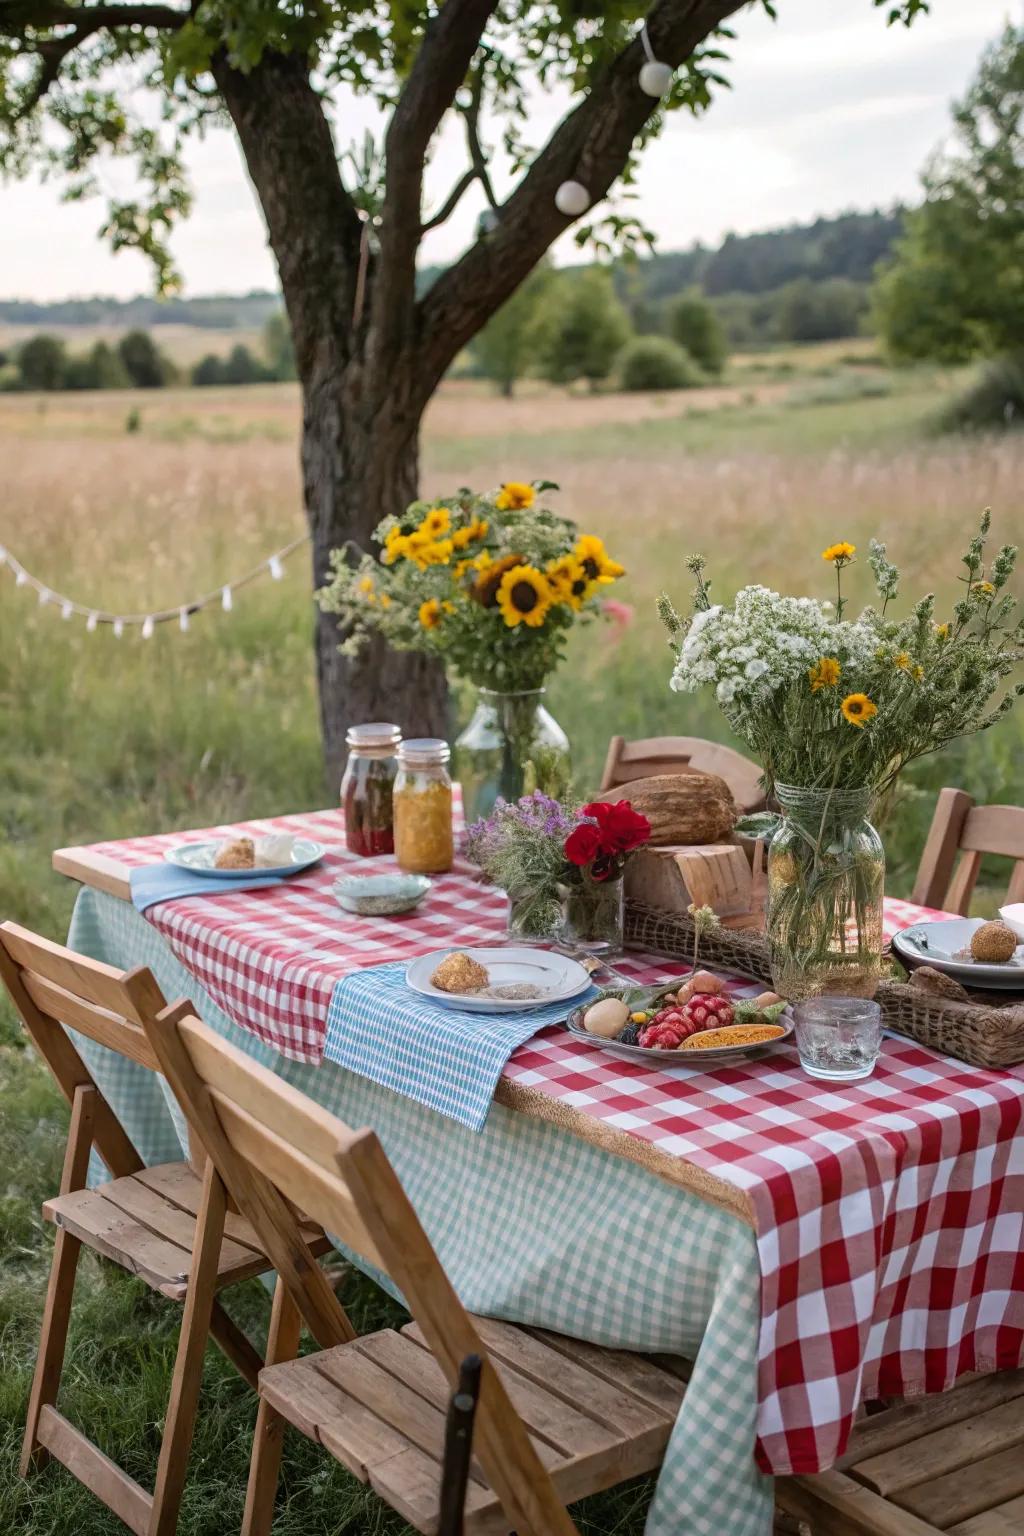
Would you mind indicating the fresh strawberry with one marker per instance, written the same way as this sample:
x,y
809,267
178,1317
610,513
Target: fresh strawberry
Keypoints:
x,y
707,1011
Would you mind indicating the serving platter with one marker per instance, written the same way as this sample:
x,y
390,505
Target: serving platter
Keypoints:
x,y
199,859
939,944
652,1056
559,978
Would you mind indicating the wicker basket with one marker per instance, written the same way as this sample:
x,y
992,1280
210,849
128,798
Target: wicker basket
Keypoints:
x,y
985,1032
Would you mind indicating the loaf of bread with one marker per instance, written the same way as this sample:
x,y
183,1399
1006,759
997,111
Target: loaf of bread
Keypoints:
x,y
682,808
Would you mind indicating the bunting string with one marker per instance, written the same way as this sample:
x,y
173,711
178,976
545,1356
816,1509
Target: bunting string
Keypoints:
x,y
146,622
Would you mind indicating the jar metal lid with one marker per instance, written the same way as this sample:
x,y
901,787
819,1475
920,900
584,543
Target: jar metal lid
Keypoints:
x,y
424,750
378,733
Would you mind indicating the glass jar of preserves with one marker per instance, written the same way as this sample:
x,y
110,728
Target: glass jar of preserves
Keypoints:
x,y
424,842
367,788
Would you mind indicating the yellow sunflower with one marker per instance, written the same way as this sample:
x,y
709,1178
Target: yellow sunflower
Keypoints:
x,y
477,529
858,708
515,496
524,596
570,582
431,613
437,522
825,673
396,544
426,551
839,554
595,560
485,588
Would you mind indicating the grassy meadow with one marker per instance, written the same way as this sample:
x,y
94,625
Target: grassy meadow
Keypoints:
x,y
103,737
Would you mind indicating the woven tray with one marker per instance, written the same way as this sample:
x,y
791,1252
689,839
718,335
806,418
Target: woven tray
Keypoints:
x,y
985,1032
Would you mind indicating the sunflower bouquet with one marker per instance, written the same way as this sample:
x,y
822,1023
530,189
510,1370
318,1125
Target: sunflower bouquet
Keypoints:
x,y
491,583
834,708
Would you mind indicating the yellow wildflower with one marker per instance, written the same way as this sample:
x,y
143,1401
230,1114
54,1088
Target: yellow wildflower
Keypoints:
x,y
839,554
515,496
917,673
858,708
396,545
982,588
524,596
902,660
825,673
430,613
473,531
570,582
437,521
942,631
367,587
384,600
595,560
426,552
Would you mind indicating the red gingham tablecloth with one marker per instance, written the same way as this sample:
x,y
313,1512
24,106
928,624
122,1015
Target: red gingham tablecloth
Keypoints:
x,y
889,1213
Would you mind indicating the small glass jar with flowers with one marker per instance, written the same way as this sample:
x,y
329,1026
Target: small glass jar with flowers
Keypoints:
x,y
492,584
561,866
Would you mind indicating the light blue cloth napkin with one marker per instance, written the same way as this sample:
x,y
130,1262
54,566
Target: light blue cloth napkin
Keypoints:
x,y
151,883
448,1060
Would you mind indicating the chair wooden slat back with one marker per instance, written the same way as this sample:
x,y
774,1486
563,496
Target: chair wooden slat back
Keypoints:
x,y
961,834
628,761
273,1146
51,987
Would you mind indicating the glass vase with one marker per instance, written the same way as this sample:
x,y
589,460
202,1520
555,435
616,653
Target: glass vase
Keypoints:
x,y
533,917
510,747
826,879
593,914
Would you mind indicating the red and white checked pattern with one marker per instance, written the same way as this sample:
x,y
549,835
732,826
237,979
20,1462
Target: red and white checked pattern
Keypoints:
x,y
889,1213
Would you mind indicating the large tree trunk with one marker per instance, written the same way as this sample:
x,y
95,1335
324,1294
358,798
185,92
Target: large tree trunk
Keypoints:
x,y
363,393
359,465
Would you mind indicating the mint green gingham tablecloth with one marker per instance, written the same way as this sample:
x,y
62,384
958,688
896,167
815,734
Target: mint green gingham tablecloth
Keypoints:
x,y
533,1225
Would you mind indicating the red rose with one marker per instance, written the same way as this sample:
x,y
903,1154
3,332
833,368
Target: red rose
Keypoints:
x,y
582,844
622,828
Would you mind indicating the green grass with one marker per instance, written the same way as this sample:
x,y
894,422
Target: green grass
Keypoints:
x,y
103,738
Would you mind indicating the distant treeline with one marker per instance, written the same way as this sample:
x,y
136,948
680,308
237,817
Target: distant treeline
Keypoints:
x,y
135,361
243,312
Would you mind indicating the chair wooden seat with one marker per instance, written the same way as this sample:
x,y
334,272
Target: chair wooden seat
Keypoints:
x,y
951,1462
594,1416
146,1222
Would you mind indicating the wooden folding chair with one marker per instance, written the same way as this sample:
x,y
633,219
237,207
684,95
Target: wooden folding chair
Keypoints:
x,y
628,761
556,1419
169,1225
962,829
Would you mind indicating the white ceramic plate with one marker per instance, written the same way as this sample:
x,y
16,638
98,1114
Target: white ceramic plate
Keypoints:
x,y
198,859
559,977
936,944
653,1057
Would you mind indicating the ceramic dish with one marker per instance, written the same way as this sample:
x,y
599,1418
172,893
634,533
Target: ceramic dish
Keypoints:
x,y
938,944
385,895
1013,917
690,1057
557,977
198,859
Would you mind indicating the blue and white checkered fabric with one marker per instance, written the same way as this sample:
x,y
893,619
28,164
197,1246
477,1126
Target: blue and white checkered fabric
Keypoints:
x,y
445,1059
151,883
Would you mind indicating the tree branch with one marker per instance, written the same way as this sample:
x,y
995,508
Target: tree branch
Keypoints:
x,y
314,226
440,66
478,161
18,15
451,202
591,145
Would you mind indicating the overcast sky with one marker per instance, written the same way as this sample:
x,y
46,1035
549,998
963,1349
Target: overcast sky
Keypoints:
x,y
830,110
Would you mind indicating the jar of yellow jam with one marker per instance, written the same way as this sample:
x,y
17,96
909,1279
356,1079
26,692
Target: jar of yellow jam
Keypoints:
x,y
424,842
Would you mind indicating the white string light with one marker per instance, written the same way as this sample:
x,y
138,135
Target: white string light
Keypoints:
x,y
146,622
655,77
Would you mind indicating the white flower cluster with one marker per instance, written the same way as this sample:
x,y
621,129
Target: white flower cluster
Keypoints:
x,y
762,644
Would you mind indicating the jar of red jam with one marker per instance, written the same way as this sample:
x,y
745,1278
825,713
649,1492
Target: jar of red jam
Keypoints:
x,y
367,786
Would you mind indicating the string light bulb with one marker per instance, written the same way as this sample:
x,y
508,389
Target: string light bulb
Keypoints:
x,y
91,622
183,621
226,600
118,628
655,77
275,567
66,610
572,199
147,627
21,577
44,596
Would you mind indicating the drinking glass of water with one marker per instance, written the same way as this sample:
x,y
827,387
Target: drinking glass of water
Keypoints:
x,y
838,1038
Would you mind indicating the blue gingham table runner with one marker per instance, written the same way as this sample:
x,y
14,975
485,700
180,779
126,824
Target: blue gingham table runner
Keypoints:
x,y
445,1059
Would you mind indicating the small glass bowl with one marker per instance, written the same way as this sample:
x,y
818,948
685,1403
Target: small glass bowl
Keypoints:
x,y
385,895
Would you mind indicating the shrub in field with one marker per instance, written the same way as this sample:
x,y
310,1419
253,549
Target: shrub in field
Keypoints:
x,y
655,362
581,328
995,400
42,363
698,330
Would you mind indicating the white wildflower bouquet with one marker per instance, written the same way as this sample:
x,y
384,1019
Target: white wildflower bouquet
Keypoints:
x,y
826,701
834,708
